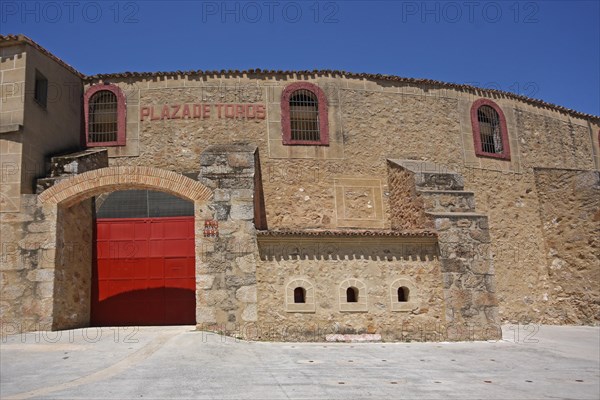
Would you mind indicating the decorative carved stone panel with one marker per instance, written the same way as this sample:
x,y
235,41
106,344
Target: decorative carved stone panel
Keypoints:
x,y
359,202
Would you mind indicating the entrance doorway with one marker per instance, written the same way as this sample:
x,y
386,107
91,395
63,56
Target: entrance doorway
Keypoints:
x,y
144,260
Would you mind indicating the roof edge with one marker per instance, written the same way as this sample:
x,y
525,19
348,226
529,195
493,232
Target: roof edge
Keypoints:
x,y
9,39
321,233
492,93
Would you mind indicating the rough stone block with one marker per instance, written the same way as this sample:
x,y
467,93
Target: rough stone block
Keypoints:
x,y
247,263
45,289
246,294
41,275
481,236
454,265
38,227
13,291
236,182
243,212
463,223
215,297
238,281
221,195
240,160
442,224
250,313
242,194
481,266
221,210
484,299
204,281
205,315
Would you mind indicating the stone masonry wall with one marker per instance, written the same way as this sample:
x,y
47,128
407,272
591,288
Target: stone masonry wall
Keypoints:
x,y
406,207
373,121
26,267
325,263
45,267
73,270
12,82
465,255
54,128
226,274
570,213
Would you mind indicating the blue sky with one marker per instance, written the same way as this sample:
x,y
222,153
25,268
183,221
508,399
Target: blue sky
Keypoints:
x,y
543,49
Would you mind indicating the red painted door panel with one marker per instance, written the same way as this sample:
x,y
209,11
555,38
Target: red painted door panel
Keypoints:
x,y
144,272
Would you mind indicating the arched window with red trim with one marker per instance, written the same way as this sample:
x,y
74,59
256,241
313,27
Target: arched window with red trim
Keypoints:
x,y
304,115
104,116
490,134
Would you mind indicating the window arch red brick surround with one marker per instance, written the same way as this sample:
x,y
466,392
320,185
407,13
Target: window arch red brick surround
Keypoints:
x,y
322,109
479,148
121,115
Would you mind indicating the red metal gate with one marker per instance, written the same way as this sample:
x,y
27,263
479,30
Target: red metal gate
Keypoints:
x,y
144,272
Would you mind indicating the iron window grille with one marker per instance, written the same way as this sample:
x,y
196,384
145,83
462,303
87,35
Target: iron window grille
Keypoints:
x,y
304,115
142,204
489,130
105,116
490,135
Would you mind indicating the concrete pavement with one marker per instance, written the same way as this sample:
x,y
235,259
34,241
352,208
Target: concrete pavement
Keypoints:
x,y
530,362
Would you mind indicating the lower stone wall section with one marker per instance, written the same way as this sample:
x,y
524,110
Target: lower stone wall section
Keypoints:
x,y
569,202
406,207
467,270
225,277
73,270
422,321
26,267
226,264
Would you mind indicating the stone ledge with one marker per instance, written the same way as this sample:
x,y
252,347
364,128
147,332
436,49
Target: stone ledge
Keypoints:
x,y
78,162
345,232
456,215
420,167
11,128
431,175
448,192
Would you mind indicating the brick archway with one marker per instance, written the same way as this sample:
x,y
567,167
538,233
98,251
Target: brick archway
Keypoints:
x,y
67,208
80,187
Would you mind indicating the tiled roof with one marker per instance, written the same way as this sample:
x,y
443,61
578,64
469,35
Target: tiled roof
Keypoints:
x,y
345,233
326,72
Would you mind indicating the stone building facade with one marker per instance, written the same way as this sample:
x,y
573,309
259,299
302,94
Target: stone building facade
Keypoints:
x,y
322,205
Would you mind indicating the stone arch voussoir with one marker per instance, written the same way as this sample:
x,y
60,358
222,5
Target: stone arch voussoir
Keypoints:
x,y
80,187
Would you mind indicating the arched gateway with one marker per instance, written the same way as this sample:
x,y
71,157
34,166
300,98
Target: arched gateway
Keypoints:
x,y
80,187
123,271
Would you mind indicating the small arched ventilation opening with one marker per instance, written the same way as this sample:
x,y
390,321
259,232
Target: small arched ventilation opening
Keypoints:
x,y
352,295
403,294
299,295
